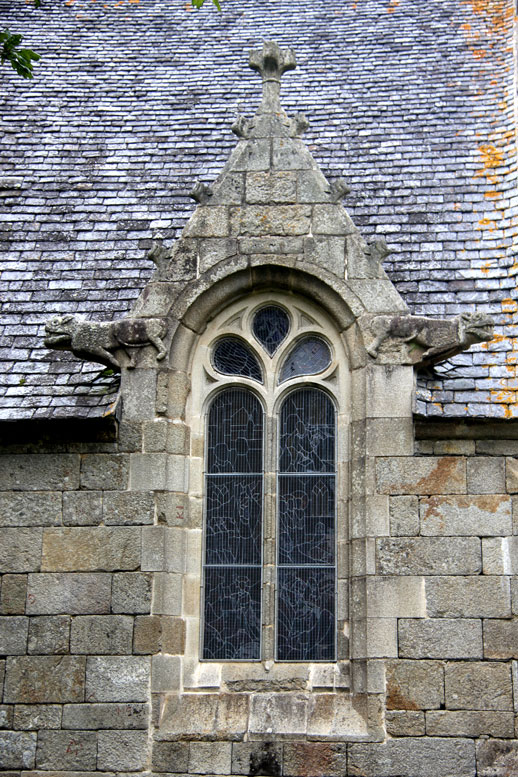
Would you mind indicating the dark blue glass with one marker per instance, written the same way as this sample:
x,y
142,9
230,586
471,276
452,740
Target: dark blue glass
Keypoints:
x,y
233,357
271,325
308,356
233,527
306,528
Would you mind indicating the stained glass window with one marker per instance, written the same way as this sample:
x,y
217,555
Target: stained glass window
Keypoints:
x,y
233,357
306,528
308,356
303,499
233,527
270,326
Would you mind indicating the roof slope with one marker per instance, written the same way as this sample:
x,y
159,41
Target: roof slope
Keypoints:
x,y
133,102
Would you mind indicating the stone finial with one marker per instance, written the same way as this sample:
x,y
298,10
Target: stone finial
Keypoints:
x,y
271,62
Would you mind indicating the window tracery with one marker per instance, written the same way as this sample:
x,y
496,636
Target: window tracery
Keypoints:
x,y
270,484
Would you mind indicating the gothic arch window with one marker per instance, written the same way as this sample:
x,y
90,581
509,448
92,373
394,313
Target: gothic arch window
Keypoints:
x,y
271,379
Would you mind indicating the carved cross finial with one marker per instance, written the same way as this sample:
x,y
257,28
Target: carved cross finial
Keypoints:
x,y
271,62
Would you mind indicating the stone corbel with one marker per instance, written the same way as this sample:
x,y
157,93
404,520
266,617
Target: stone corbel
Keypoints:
x,y
339,189
201,193
298,125
97,340
421,341
242,127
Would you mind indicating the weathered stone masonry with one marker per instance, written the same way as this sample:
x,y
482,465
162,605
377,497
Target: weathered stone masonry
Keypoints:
x,y
102,540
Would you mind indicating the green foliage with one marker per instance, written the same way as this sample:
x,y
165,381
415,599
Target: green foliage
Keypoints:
x,y
20,59
199,3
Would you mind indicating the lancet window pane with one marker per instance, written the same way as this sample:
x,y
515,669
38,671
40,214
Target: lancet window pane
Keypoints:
x,y
309,356
233,527
233,357
270,326
306,528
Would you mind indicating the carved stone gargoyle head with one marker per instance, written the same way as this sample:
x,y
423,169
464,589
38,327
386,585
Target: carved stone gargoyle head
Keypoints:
x,y
424,341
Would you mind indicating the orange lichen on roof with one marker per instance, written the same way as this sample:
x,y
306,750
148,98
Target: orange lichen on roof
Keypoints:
x,y
393,5
493,195
489,223
509,306
491,156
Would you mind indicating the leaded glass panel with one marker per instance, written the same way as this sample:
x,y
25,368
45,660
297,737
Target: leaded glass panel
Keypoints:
x,y
232,624
307,436
306,614
306,519
233,357
235,433
270,326
306,528
233,519
309,356
233,527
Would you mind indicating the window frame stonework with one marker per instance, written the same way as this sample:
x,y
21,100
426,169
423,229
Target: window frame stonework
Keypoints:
x,y
306,318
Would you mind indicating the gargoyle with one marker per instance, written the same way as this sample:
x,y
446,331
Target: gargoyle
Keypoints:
x,y
95,340
430,340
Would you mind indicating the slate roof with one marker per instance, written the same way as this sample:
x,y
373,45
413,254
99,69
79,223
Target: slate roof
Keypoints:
x,y
132,103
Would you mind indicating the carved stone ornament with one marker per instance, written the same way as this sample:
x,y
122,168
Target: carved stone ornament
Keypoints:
x,y
423,341
96,340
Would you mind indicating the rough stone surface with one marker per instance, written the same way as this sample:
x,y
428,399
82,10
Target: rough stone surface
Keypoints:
x,y
466,515
45,679
49,634
501,639
414,685
106,634
468,597
497,758
131,592
405,723
210,758
13,635
411,757
486,475
13,594
128,508
318,759
194,717
63,750
447,723
73,593
33,509
478,686
421,475
170,756
99,471
36,716
122,750
39,472
117,678
404,516
429,556
111,716
17,749
82,509
20,550
90,549
441,638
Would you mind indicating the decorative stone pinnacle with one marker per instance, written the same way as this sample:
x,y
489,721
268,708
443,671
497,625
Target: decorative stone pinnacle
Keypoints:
x,y
271,62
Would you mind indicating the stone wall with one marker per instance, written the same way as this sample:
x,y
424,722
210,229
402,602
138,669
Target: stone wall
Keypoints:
x,y
90,641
